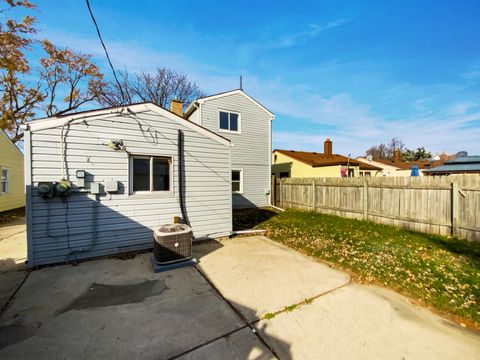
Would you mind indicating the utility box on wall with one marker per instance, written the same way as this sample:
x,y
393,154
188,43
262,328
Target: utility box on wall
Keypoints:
x,y
95,188
111,186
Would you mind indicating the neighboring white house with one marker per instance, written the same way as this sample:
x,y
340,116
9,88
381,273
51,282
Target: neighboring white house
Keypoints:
x,y
248,125
124,169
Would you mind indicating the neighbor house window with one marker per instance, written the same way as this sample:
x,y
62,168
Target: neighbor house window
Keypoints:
x,y
150,173
5,180
237,181
284,175
229,121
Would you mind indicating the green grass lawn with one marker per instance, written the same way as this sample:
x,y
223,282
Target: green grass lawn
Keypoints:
x,y
438,271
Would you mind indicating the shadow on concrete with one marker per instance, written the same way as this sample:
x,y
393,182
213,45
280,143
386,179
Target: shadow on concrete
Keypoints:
x,y
160,307
11,264
245,219
266,341
205,247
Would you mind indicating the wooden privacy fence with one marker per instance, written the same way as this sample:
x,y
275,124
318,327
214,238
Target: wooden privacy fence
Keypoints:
x,y
447,205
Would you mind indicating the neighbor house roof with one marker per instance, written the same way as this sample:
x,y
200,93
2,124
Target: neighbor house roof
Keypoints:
x,y
465,164
194,104
315,159
125,110
407,165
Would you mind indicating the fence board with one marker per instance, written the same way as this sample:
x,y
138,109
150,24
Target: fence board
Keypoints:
x,y
438,205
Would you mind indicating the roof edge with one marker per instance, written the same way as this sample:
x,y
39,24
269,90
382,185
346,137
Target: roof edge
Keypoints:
x,y
55,121
235,91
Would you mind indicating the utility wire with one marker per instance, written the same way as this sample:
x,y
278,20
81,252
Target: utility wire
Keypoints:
x,y
106,52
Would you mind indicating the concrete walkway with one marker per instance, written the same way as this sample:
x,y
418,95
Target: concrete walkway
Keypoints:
x,y
338,319
112,308
13,253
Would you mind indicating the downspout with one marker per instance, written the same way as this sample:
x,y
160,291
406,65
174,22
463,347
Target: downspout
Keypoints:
x,y
181,178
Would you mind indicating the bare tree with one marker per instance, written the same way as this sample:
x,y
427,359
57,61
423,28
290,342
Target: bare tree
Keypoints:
x,y
159,87
65,80
378,151
386,151
395,145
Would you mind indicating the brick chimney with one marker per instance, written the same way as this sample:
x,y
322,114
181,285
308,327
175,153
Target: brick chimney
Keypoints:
x,y
327,149
176,106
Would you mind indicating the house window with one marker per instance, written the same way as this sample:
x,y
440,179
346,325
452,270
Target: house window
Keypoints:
x,y
150,173
284,175
229,121
5,180
237,181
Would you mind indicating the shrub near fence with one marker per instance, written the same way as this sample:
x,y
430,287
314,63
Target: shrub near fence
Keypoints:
x,y
447,205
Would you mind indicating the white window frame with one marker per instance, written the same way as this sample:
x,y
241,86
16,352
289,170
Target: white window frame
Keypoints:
x,y
151,191
7,181
241,180
239,131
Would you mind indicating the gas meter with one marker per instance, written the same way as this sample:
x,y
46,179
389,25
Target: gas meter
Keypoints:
x,y
63,187
46,189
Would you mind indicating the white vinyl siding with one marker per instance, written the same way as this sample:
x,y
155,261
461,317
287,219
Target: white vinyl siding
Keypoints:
x,y
251,150
124,221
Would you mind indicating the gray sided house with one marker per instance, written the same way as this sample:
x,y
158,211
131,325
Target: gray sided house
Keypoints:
x,y
248,125
115,175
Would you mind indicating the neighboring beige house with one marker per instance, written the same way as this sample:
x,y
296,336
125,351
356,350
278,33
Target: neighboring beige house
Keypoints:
x,y
387,169
12,193
398,167
300,164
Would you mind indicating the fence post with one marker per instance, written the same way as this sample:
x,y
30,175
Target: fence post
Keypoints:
x,y
365,199
282,189
314,194
454,208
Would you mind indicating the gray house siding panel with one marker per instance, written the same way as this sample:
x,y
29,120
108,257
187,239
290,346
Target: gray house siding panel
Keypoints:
x,y
124,221
251,149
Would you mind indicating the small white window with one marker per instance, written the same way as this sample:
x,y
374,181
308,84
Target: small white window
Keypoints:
x,y
150,174
237,181
5,180
229,121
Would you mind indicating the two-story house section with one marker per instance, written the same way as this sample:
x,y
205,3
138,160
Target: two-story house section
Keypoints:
x,y
248,125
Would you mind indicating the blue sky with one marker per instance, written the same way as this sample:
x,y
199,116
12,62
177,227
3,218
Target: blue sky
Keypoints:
x,y
357,72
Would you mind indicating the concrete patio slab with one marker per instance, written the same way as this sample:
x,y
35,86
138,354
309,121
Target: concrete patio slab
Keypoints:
x,y
9,282
365,322
260,276
13,246
112,308
242,344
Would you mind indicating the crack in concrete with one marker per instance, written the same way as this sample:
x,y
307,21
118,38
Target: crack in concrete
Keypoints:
x,y
239,314
307,301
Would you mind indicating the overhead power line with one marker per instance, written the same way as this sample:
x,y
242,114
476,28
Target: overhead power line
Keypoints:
x,y
105,48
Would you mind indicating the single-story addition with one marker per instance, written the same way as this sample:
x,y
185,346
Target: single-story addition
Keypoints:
x,y
98,181
12,190
305,164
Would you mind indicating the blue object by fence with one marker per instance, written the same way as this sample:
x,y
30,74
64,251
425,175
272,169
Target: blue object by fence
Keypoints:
x,y
415,171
